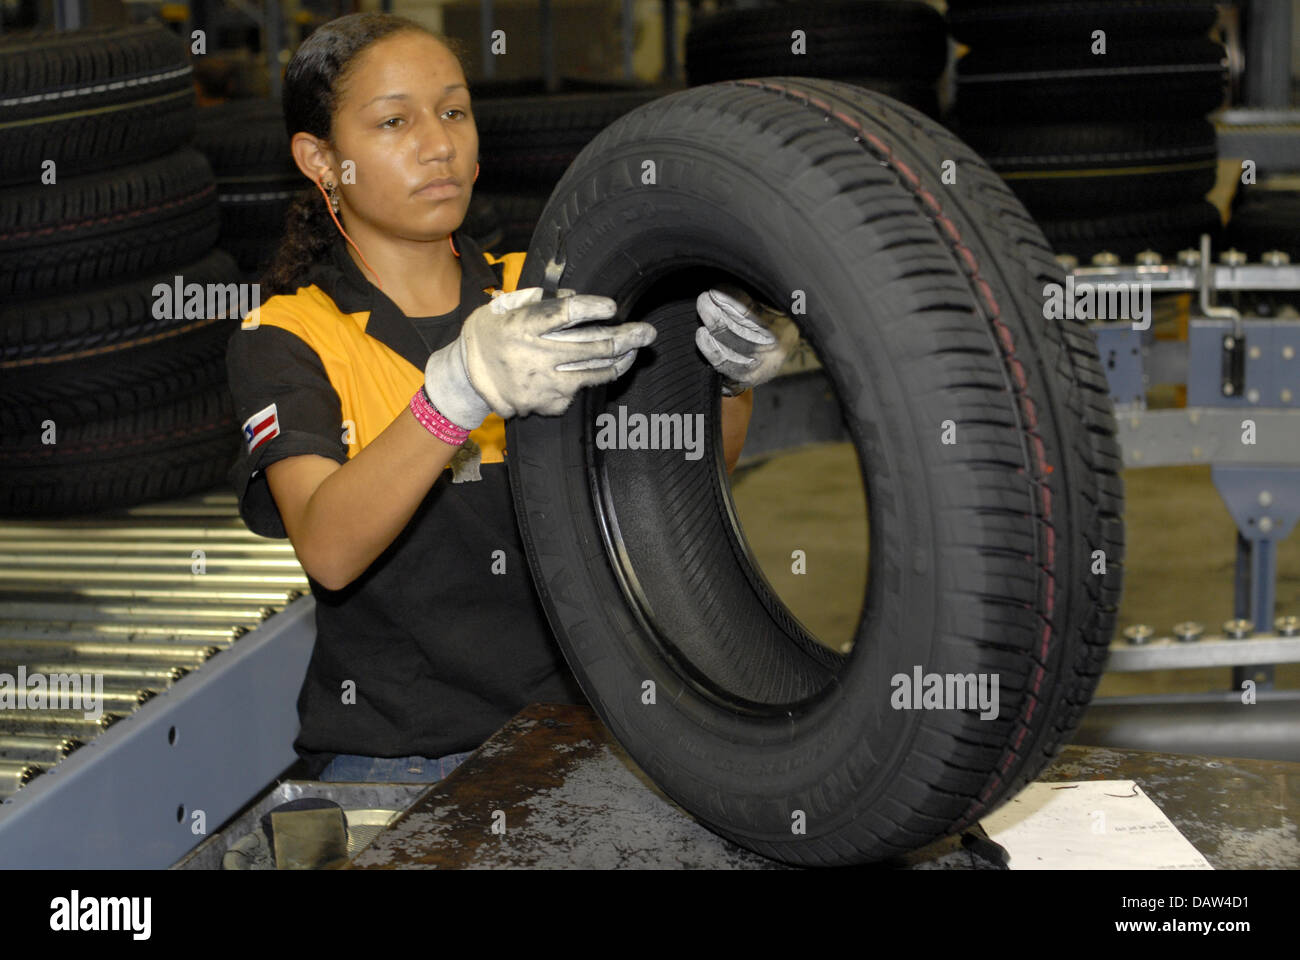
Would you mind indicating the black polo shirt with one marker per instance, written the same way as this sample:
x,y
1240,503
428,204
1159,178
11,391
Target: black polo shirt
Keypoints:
x,y
443,639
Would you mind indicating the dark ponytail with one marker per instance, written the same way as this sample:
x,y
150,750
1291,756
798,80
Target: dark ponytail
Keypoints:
x,y
312,83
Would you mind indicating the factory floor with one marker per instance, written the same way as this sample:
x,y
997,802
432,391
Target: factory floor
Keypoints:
x,y
1179,556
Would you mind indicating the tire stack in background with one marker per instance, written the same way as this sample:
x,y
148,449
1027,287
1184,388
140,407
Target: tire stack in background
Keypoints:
x,y
526,142
248,147
896,47
136,404
525,145
1109,152
1264,221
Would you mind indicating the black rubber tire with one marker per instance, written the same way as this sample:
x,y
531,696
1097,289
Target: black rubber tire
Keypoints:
x,y
1067,169
999,23
918,96
898,39
248,147
152,453
528,142
1165,231
107,227
84,356
924,303
244,136
102,97
1164,80
1266,220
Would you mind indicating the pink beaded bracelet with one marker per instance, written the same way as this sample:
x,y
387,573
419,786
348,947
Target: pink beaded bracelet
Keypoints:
x,y
435,422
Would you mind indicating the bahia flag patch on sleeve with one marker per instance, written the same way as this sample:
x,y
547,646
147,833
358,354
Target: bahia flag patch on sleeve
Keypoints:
x,y
261,427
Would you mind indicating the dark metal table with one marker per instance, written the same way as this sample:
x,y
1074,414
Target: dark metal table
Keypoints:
x,y
553,789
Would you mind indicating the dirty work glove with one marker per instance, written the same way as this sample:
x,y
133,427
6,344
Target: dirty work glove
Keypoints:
x,y
745,342
521,354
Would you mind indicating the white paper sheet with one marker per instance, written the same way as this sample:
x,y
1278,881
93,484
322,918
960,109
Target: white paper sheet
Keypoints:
x,y
1090,825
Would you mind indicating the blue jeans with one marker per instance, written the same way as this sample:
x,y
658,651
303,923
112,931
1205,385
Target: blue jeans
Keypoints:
x,y
355,767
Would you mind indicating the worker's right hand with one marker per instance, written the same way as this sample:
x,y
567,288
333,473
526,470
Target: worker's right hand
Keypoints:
x,y
521,354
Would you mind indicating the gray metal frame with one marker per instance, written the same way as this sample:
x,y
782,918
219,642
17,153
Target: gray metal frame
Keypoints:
x,y
1268,54
1201,435
210,742
1238,371
1169,653
1259,482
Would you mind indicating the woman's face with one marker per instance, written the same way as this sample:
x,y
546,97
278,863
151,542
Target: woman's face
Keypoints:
x,y
403,117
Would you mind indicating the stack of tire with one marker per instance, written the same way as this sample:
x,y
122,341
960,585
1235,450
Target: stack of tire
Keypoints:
x,y
1110,151
107,397
525,144
248,147
1264,221
895,47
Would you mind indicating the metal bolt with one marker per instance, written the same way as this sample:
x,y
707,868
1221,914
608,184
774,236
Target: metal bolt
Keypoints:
x,y
1288,352
1265,498
1286,395
1068,261
1189,630
1228,389
1275,258
1148,258
1190,257
1229,343
1138,634
1232,257
1105,259
1288,626
1252,396
1238,629
1265,524
1254,353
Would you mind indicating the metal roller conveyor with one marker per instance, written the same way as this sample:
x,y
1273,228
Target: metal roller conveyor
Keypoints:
x,y
162,638
15,649
16,774
158,673
106,700
49,723
42,750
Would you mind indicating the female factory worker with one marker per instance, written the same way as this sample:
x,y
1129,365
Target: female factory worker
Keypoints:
x,y
386,337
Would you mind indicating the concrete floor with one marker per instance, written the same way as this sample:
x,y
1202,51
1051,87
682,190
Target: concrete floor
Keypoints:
x,y
1180,550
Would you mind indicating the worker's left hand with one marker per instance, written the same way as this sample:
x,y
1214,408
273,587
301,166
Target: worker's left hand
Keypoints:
x,y
745,341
